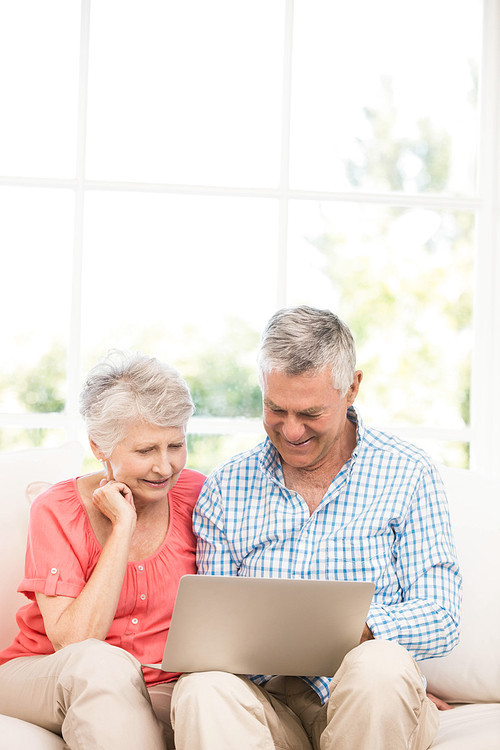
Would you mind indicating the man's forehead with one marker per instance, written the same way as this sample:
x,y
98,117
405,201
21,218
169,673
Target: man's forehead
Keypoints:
x,y
303,392
311,380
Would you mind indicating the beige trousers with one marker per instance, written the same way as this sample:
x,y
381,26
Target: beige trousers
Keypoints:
x,y
377,702
92,694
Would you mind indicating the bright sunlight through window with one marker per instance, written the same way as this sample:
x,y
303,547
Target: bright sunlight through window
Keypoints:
x,y
172,173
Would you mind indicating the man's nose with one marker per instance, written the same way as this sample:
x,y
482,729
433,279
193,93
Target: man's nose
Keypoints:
x,y
293,429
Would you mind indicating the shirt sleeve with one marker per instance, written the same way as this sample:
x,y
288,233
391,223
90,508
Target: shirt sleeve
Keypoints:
x,y
213,555
427,618
57,561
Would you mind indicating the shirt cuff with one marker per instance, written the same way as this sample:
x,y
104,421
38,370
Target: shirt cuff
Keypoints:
x,y
381,623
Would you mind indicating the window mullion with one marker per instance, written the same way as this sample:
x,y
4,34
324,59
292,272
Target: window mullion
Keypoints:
x,y
74,348
485,396
284,183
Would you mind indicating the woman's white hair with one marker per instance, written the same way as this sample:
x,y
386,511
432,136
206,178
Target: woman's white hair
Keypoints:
x,y
123,388
304,339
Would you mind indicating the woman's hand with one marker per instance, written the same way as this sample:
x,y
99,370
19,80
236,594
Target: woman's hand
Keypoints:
x,y
115,501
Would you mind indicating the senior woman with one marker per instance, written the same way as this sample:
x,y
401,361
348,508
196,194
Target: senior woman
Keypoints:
x,y
104,556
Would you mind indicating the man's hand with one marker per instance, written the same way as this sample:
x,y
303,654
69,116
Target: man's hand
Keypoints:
x,y
442,705
367,634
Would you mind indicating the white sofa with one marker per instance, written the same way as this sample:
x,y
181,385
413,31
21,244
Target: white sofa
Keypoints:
x,y
469,675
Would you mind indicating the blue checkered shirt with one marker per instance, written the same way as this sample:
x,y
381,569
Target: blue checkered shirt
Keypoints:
x,y
384,519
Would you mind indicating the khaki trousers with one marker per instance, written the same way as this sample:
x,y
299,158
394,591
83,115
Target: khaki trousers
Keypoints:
x,y
92,694
377,702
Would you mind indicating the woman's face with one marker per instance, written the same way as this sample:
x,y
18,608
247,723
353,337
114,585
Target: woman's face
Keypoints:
x,y
149,460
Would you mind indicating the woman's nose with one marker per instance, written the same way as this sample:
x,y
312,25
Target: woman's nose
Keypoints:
x,y
162,465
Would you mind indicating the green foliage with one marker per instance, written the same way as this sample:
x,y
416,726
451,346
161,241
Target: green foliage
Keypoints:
x,y
224,388
206,452
223,377
41,388
407,301
386,161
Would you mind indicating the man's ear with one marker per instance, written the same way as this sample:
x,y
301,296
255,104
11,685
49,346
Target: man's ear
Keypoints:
x,y
354,388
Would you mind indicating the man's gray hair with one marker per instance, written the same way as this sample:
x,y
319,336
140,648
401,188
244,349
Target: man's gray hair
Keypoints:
x,y
130,387
304,339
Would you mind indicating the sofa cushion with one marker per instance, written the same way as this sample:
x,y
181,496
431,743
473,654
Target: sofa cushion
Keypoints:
x,y
17,470
471,672
20,735
469,728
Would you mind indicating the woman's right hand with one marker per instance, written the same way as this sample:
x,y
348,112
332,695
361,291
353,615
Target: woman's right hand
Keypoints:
x,y
115,501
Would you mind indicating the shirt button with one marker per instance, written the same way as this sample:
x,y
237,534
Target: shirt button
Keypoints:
x,y
134,620
53,571
143,596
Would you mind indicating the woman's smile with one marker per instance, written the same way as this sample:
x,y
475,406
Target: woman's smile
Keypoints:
x,y
160,483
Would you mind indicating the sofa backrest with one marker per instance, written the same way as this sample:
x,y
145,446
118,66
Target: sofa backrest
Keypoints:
x,y
471,672
17,470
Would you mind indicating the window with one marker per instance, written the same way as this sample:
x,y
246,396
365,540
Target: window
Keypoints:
x,y
172,173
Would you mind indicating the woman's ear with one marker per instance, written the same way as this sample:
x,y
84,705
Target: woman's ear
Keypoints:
x,y
101,457
96,450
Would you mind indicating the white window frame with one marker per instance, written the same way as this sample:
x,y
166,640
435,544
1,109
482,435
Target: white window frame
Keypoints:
x,y
484,431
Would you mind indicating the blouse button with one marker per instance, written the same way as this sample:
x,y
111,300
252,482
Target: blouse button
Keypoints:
x,y
135,620
140,567
53,571
143,596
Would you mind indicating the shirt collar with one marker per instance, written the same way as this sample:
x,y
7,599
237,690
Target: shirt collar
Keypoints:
x,y
269,459
354,416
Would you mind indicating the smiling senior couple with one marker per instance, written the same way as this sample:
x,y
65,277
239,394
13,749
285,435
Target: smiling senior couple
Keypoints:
x,y
337,500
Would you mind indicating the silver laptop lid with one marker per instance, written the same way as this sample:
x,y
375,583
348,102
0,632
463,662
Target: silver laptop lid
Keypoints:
x,y
265,625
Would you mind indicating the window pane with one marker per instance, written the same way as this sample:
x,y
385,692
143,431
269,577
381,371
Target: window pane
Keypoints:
x,y
185,92
385,95
205,452
190,280
39,53
447,453
18,438
402,280
36,236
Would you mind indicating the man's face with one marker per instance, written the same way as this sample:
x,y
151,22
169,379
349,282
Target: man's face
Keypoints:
x,y
305,416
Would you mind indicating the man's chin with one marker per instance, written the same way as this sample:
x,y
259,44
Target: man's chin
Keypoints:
x,y
298,459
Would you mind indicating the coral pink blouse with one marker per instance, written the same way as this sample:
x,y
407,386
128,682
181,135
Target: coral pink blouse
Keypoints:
x,y
62,552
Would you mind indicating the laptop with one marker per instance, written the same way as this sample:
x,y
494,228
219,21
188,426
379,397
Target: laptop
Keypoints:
x,y
264,625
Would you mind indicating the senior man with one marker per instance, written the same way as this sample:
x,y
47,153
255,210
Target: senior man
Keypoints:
x,y
324,496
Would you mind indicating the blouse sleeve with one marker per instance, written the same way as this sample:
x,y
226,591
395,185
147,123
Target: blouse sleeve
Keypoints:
x,y
60,553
